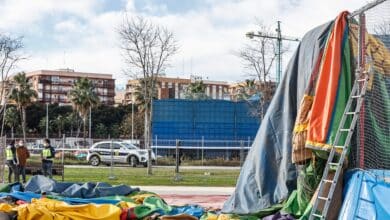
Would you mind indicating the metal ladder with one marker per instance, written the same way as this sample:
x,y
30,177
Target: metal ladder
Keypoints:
x,y
357,96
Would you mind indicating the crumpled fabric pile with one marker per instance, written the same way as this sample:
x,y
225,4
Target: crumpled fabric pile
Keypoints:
x,y
44,198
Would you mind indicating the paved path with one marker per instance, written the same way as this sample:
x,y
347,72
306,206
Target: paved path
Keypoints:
x,y
188,190
207,197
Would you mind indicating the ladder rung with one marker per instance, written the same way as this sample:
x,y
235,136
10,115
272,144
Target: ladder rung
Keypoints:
x,y
323,198
334,164
340,147
317,215
328,181
346,129
356,96
351,113
361,80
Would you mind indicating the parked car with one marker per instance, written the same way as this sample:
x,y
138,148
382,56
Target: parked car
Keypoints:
x,y
121,152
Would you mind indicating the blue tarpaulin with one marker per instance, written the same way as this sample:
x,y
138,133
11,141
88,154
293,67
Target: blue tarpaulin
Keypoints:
x,y
366,195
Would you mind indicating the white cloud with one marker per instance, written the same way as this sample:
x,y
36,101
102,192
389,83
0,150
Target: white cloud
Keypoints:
x,y
207,36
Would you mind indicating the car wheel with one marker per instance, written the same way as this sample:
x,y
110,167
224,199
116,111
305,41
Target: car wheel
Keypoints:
x,y
94,161
133,161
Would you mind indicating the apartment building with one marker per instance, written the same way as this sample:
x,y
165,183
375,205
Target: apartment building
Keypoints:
x,y
175,88
53,86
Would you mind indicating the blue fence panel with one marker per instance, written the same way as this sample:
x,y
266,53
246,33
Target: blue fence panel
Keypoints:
x,y
208,119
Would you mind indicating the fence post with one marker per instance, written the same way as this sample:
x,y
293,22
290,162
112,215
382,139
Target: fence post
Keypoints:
x,y
177,156
241,152
2,156
202,150
111,177
177,175
62,155
156,145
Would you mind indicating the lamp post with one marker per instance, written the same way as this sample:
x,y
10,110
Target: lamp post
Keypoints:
x,y
132,119
47,120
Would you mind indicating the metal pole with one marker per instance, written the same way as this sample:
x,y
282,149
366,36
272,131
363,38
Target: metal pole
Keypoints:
x,y
132,120
47,120
156,149
279,55
202,149
111,177
63,147
177,156
90,124
241,152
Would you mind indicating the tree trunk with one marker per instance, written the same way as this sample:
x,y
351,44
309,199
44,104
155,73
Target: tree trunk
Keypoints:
x,y
84,128
24,124
12,132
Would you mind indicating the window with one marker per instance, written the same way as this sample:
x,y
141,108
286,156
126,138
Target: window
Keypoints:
x,y
105,146
116,146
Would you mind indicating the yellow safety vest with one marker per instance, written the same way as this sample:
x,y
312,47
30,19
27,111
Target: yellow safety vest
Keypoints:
x,y
46,152
9,154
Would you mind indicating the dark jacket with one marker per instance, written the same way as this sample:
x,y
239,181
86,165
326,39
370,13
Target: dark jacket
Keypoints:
x,y
23,155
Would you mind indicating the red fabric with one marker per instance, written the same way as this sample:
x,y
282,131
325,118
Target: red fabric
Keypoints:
x,y
326,89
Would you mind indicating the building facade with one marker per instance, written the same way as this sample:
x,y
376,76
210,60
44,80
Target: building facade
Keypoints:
x,y
53,86
175,88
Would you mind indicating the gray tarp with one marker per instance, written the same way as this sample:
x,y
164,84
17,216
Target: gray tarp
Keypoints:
x,y
39,184
268,176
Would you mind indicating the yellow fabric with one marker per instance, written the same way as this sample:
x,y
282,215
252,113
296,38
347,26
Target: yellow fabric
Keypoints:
x,y
9,154
46,152
42,209
300,127
139,199
123,204
4,207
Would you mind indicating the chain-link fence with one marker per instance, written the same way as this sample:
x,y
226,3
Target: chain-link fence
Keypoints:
x,y
370,37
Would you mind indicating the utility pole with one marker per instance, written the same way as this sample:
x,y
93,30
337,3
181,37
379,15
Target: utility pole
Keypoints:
x,y
279,39
47,120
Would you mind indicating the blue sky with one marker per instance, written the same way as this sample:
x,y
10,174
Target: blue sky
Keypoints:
x,y
80,34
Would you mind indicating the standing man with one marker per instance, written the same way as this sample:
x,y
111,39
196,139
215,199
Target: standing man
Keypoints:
x,y
12,161
22,155
47,158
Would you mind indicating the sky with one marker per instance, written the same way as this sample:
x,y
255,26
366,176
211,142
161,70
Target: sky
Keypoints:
x,y
82,34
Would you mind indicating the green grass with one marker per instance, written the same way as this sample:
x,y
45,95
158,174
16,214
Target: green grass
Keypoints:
x,y
161,176
138,177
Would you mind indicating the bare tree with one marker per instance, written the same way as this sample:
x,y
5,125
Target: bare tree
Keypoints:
x,y
259,56
9,56
147,48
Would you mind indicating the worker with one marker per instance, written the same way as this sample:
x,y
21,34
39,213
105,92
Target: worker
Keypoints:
x,y
12,162
47,156
22,155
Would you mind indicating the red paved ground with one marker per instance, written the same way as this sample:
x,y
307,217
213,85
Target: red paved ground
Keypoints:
x,y
206,201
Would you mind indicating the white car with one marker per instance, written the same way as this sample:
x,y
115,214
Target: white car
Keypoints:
x,y
119,152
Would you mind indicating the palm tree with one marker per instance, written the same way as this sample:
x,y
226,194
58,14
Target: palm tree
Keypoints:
x,y
11,119
83,98
22,94
245,91
196,90
139,95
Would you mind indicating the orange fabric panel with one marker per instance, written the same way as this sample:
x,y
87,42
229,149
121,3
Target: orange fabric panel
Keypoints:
x,y
327,85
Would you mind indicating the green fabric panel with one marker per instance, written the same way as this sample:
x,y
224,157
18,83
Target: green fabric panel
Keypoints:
x,y
344,90
5,188
156,203
308,179
381,134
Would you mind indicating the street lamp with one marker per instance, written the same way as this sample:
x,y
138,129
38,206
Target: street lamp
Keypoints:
x,y
47,120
